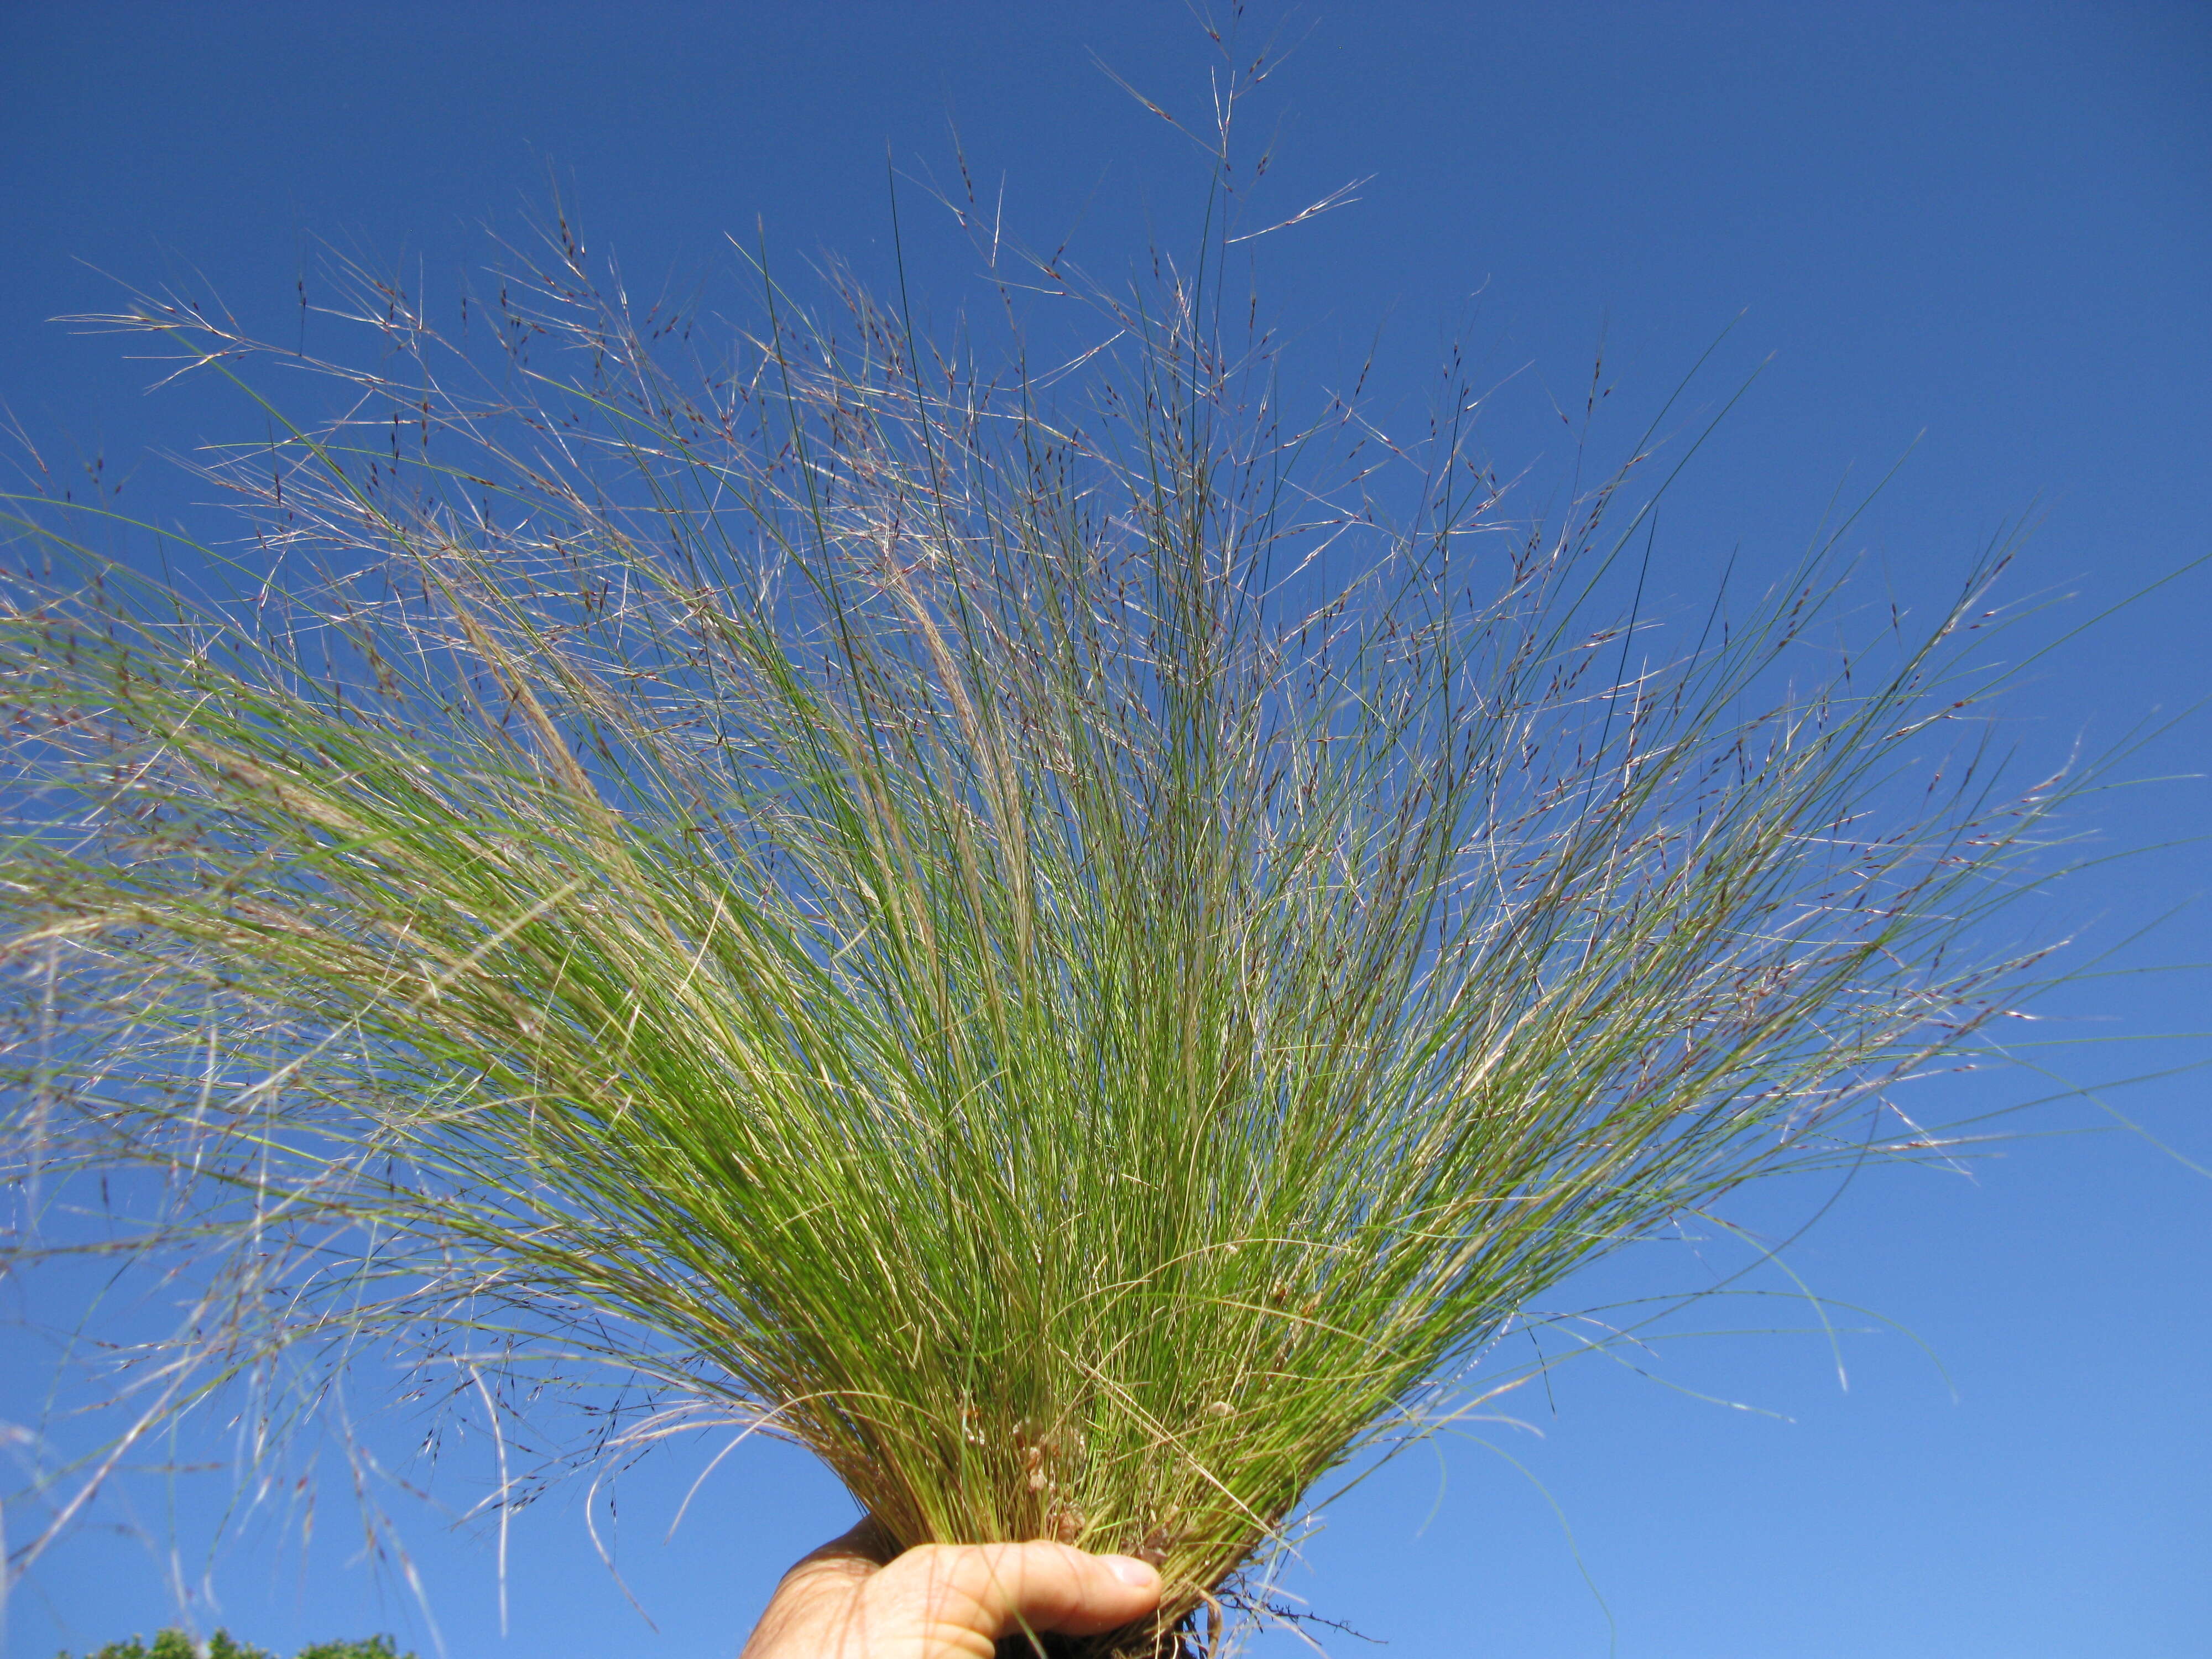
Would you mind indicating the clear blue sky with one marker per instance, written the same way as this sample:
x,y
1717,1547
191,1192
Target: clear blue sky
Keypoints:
x,y
1988,224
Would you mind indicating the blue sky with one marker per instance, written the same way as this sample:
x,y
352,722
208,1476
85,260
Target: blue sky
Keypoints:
x,y
1975,237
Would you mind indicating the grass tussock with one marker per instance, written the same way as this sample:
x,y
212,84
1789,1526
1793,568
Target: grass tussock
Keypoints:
x,y
1072,947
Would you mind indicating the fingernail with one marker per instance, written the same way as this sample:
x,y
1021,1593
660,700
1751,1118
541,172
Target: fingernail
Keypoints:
x,y
1136,1574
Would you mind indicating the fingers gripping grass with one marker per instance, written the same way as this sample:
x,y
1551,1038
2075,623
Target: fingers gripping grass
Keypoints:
x,y
1072,949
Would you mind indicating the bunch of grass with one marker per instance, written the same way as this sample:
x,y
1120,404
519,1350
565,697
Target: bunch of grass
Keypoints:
x,y
1074,949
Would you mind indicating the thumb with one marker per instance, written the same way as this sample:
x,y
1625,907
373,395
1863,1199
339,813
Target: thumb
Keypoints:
x,y
968,1595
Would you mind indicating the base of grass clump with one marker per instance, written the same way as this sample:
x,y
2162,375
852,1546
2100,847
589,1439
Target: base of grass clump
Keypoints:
x,y
1135,1642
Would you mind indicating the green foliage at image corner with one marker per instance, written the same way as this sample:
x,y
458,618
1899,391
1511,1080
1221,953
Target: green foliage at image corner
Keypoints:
x,y
176,1645
376,1647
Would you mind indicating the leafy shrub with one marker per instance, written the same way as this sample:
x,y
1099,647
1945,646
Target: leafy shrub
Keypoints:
x,y
175,1643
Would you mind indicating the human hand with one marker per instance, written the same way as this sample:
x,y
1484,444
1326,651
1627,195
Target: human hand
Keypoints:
x,y
944,1600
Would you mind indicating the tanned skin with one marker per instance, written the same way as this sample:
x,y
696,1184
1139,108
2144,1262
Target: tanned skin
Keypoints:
x,y
852,1599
